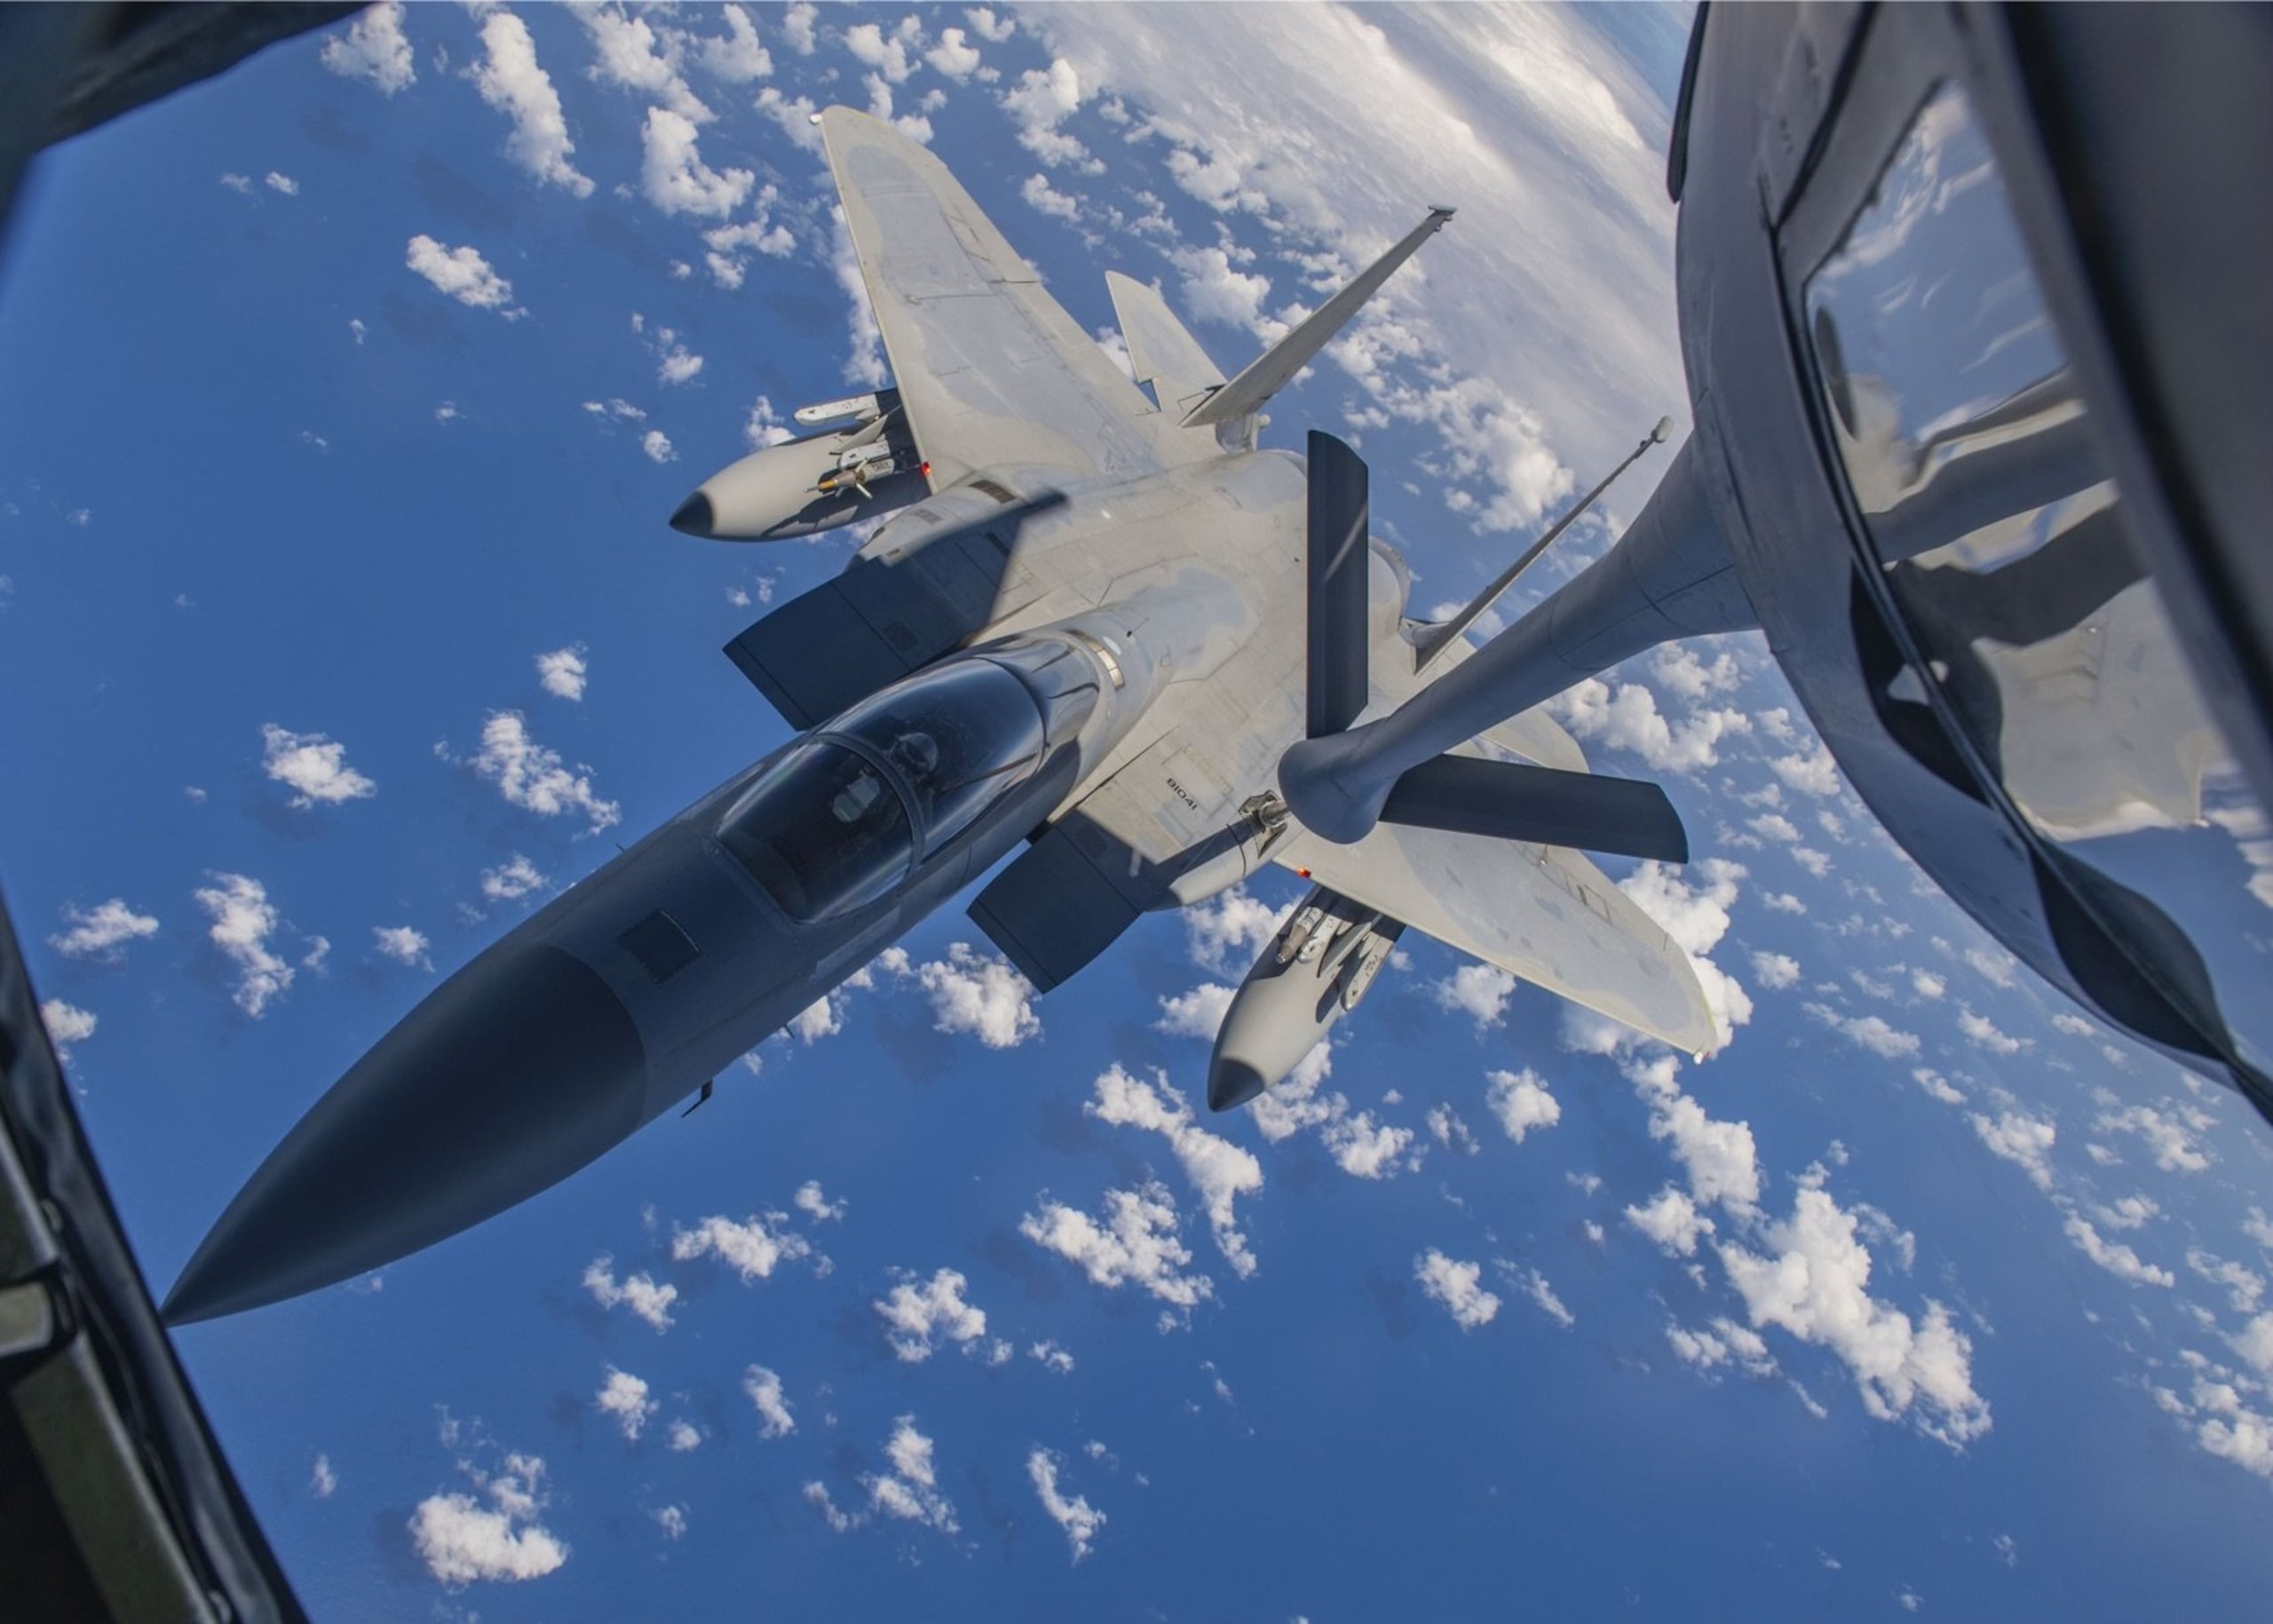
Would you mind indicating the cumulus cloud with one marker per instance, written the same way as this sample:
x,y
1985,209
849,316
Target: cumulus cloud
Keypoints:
x,y
980,994
625,1397
1982,1033
1458,1286
1136,1243
510,81
313,768
1536,1286
463,1540
1521,1103
1776,972
815,1205
1478,991
404,944
954,56
736,57
1232,923
630,54
640,1293
66,1024
1052,1357
1814,1284
1672,1221
2022,1139
463,275
1869,1032
730,248
1720,1158
752,1248
243,919
1041,101
1810,771
774,1418
2165,1135
910,1491
534,778
102,932
323,1482
374,49
2115,1257
563,672
1046,199
515,878
1076,1517
1627,719
1219,1171
921,1316
1196,1014
1726,1343
1213,290
674,177
658,447
864,362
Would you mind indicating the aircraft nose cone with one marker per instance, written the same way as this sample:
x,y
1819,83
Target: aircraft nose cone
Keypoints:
x,y
1232,1082
513,1073
694,517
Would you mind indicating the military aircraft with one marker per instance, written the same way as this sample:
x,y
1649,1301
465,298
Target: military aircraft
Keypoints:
x,y
1092,622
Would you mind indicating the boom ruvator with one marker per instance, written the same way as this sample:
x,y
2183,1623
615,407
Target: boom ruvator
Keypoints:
x,y
1092,630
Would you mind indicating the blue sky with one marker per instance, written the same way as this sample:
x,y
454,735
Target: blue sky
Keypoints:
x,y
1921,1288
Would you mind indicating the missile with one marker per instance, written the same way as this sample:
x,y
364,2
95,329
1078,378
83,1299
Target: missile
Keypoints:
x,y
1313,973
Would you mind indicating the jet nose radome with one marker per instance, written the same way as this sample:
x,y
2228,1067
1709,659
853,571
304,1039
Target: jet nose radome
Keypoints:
x,y
513,1073
696,517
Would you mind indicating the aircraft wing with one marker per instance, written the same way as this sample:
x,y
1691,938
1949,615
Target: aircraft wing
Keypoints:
x,y
992,371
1540,912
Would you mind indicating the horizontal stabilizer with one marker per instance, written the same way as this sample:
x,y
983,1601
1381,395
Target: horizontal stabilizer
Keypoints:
x,y
1269,373
1508,800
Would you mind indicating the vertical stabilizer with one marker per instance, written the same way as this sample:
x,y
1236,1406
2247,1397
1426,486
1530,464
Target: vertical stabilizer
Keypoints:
x,y
1161,350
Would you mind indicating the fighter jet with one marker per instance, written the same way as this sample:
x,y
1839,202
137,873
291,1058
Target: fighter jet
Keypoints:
x,y
1095,617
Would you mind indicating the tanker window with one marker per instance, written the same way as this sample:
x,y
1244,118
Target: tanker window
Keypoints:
x,y
822,829
2003,541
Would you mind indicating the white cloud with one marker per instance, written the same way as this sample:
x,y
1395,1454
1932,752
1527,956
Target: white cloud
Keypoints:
x,y
753,1248
2174,1148
404,944
1449,1130
1982,1033
281,184
533,777
510,81
2116,1258
1869,1032
1680,668
1695,913
1053,1359
910,1491
1040,104
764,427
774,1418
989,28
1521,1102
1458,1286
864,363
1926,984
563,672
1671,1220
243,923
954,56
2245,1287
1727,1342
2130,1212
1815,1286
737,58
1196,1014
1720,1158
816,1206
463,275
461,1540
624,1396
1627,719
312,766
1775,970
323,1482
921,1316
1812,773
1364,1148
374,49
102,932
640,1293
658,447
630,55
980,994
683,1436
1046,199
730,246
1478,991
1219,1171
674,177
1233,922
1213,290
66,1024
869,43
1136,1243
1537,1287
511,880
1080,1521
2020,1139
